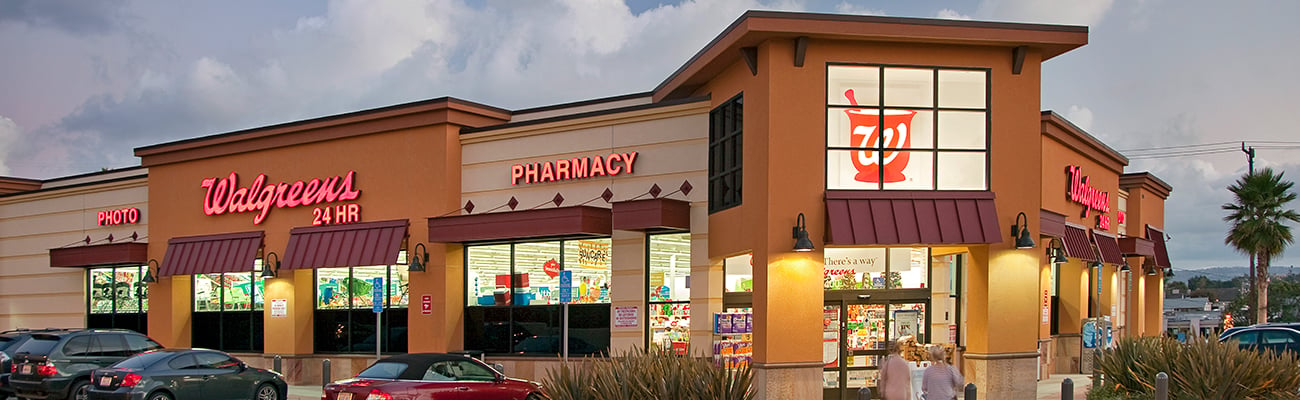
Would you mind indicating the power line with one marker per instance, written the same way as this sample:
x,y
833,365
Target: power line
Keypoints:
x,y
1179,147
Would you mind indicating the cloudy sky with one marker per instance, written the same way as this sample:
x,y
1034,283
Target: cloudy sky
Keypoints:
x,y
82,83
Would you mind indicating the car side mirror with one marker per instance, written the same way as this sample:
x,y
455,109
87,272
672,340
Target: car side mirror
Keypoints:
x,y
501,369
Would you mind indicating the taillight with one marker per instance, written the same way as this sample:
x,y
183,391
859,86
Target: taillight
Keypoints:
x,y
46,369
13,369
378,395
130,380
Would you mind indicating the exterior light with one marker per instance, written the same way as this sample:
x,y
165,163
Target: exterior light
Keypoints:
x,y
1056,252
1124,268
800,233
417,263
148,272
1020,232
1169,272
270,269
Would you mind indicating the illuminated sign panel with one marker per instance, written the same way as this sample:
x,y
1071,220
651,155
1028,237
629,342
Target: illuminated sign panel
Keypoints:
x,y
576,168
906,128
225,196
1080,191
118,217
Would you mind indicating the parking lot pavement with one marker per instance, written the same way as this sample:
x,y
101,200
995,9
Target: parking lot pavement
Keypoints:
x,y
304,392
1050,388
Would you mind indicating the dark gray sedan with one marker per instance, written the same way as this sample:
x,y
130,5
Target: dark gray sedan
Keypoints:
x,y
184,374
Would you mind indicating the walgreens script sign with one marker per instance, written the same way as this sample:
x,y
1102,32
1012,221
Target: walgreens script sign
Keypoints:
x,y
224,195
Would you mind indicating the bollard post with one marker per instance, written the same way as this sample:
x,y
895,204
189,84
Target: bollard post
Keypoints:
x,y
325,372
275,364
1067,389
1162,386
970,392
864,394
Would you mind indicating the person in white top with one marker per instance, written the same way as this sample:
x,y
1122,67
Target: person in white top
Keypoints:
x,y
941,380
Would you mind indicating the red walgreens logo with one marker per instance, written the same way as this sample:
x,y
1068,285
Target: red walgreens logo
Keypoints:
x,y
865,134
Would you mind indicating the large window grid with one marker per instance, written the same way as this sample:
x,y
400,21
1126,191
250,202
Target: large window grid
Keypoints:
x,y
227,310
345,318
513,299
927,126
668,260
726,126
117,297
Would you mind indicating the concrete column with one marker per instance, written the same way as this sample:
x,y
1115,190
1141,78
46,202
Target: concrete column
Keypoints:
x,y
169,310
628,288
706,283
1153,301
1003,300
1073,307
443,329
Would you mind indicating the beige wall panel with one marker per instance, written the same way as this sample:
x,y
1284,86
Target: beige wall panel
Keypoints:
x,y
43,320
531,146
63,279
693,127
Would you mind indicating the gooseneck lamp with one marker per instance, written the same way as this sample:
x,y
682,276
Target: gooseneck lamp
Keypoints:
x,y
1020,232
148,272
270,268
800,233
418,262
1056,252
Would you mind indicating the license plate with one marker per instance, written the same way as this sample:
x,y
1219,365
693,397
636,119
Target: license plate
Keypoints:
x,y
27,370
106,381
345,396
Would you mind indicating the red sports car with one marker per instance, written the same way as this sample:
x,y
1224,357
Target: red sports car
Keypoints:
x,y
432,376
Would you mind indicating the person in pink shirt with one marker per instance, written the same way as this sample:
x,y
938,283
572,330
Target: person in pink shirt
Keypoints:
x,y
895,377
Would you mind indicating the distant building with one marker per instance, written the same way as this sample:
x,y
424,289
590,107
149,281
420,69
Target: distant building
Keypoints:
x,y
1193,316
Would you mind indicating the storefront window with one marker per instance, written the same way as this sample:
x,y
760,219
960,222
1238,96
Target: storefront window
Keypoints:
x,y
513,298
117,298
669,290
739,271
345,318
228,310
854,268
911,140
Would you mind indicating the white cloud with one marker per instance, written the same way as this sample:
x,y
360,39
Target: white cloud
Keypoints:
x,y
848,8
1072,12
8,135
1080,117
949,13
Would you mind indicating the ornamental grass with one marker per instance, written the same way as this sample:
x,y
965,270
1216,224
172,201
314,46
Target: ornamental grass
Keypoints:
x,y
647,375
1200,370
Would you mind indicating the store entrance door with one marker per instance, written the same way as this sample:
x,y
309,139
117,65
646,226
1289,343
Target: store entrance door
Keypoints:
x,y
856,327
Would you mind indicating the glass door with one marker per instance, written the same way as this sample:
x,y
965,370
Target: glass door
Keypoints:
x,y
856,330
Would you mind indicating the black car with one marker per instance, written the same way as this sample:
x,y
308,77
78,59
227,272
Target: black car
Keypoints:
x,y
180,374
9,342
57,365
1229,331
1271,338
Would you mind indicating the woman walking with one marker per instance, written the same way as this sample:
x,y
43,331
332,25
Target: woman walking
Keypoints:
x,y
895,377
941,380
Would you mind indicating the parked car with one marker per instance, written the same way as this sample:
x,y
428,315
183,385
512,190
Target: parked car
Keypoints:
x,y
181,374
1265,337
432,375
1229,331
57,365
9,342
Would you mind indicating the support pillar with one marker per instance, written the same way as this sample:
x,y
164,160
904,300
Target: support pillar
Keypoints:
x,y
627,288
1003,301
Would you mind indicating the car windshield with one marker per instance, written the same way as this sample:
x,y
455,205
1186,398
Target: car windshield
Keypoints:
x,y
142,361
5,341
38,345
383,370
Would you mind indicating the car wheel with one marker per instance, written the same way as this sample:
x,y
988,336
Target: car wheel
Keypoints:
x,y
80,391
160,396
267,392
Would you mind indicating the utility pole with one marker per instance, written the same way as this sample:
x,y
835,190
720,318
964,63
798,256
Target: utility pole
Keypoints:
x,y
1254,299
1250,156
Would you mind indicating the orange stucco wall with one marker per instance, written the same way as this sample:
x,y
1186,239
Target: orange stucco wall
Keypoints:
x,y
395,183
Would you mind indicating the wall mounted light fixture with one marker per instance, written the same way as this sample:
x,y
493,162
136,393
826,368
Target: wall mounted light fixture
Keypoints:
x,y
1169,272
1020,232
1056,252
800,233
270,268
417,262
148,272
1124,267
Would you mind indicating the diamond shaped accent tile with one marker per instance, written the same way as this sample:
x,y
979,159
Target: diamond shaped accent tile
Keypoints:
x,y
686,188
110,238
558,199
608,194
655,190
513,202
469,207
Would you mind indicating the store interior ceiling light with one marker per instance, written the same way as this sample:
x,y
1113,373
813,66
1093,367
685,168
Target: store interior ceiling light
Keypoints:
x,y
270,268
1020,232
148,272
800,233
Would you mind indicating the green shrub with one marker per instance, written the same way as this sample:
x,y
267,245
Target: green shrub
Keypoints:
x,y
1200,370
647,375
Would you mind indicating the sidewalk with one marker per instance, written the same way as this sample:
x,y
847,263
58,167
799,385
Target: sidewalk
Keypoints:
x,y
1047,389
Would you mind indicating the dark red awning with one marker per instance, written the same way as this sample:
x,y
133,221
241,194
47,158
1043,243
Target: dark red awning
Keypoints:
x,y
210,254
349,245
103,254
1136,246
1108,246
911,218
1157,237
577,220
1078,243
651,214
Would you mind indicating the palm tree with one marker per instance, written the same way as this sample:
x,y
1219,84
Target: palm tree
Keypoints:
x,y
1259,229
